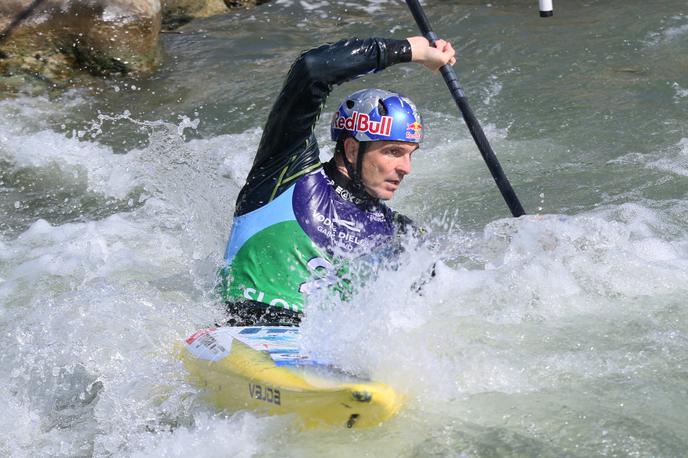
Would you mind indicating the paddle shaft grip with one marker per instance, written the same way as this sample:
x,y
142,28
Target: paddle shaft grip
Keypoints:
x,y
476,131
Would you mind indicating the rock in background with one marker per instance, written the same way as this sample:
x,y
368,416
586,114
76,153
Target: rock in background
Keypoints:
x,y
56,40
178,12
62,42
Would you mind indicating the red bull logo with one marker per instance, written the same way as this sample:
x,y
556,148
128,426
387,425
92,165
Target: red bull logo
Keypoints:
x,y
414,130
362,123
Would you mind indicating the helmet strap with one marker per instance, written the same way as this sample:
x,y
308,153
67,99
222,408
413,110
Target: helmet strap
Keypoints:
x,y
356,173
358,181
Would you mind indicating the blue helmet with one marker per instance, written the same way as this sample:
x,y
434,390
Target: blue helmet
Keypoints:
x,y
376,114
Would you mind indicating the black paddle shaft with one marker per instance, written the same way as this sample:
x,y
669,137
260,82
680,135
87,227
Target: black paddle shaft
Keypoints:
x,y
473,125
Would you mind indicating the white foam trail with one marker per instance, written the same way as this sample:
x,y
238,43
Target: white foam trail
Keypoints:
x,y
677,164
674,160
675,31
107,173
323,7
680,92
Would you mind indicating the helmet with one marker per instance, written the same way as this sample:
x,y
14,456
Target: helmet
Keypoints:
x,y
375,114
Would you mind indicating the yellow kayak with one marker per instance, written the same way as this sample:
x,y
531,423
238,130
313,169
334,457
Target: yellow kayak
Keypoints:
x,y
262,369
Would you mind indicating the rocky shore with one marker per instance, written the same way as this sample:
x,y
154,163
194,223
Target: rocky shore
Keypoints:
x,y
58,43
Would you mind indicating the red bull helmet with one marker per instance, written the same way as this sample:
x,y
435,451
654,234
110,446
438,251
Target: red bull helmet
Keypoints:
x,y
376,114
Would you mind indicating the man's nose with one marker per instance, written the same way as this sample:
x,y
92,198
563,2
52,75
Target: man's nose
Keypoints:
x,y
404,164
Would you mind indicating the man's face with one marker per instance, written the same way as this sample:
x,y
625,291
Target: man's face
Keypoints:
x,y
385,165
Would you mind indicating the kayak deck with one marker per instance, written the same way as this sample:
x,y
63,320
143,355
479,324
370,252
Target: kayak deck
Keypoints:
x,y
262,369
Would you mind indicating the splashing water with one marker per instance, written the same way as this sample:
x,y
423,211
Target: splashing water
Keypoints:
x,y
563,333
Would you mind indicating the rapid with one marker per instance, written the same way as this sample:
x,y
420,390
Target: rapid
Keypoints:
x,y
561,333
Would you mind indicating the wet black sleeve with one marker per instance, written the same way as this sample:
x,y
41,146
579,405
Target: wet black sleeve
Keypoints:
x,y
288,148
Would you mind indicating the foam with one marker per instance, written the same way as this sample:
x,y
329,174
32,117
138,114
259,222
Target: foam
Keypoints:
x,y
236,436
680,92
107,173
677,163
34,146
673,29
477,330
101,302
24,423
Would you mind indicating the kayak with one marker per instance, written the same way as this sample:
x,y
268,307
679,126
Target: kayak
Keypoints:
x,y
263,369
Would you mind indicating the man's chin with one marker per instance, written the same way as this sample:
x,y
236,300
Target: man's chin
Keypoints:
x,y
386,195
382,194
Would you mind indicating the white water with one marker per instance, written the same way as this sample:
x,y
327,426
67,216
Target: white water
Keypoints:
x,y
93,309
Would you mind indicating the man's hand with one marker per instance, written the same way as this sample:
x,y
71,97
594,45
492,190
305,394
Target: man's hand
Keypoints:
x,y
431,57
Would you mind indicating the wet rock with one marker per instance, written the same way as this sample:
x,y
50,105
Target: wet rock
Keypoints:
x,y
179,12
57,40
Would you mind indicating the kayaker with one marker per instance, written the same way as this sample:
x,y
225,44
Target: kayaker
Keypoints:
x,y
297,221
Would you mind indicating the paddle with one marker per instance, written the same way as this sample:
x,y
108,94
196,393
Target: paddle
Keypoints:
x,y
468,116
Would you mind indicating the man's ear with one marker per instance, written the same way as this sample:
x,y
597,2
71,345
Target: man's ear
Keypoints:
x,y
351,149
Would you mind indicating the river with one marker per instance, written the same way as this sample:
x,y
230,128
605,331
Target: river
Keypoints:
x,y
560,334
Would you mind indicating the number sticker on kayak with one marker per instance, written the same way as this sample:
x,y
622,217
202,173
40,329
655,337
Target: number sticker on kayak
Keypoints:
x,y
209,344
